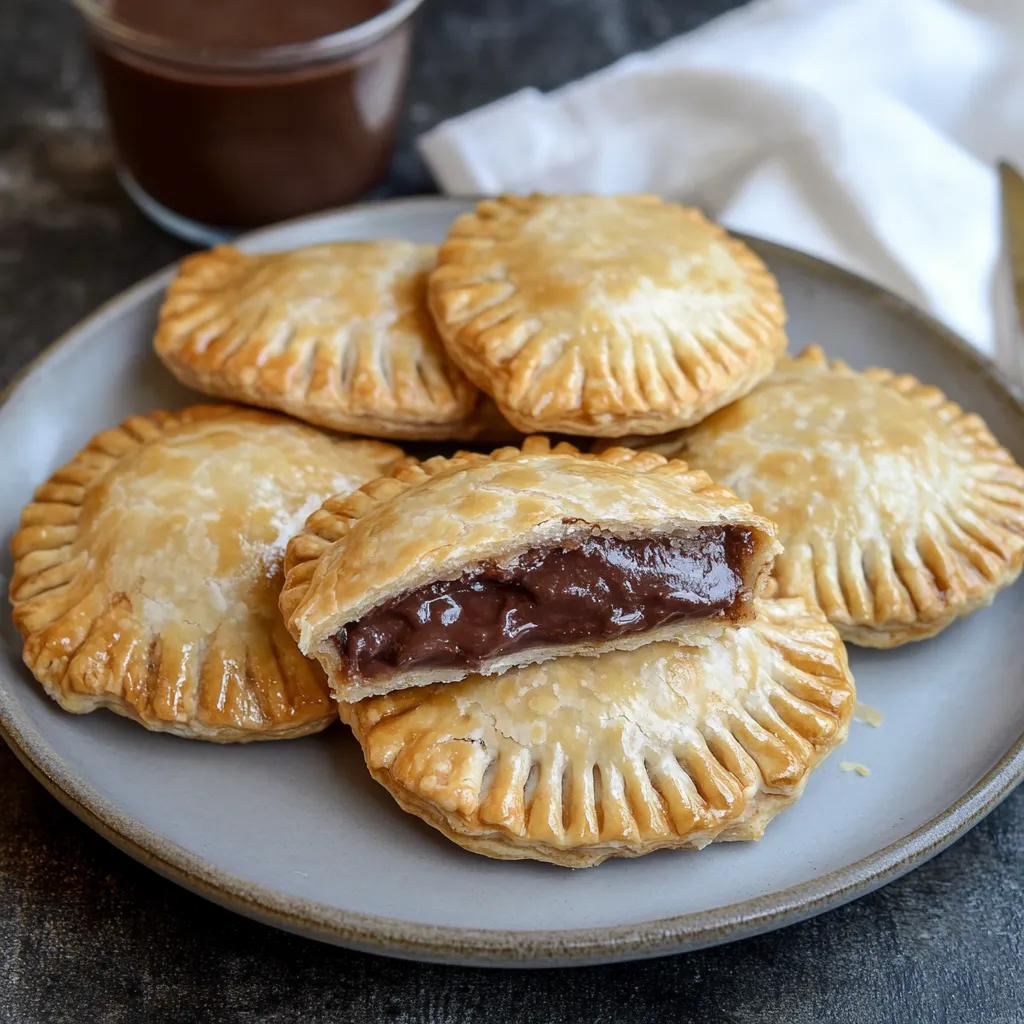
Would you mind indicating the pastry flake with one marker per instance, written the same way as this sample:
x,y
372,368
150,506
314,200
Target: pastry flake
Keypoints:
x,y
485,562
604,315
337,335
898,512
147,571
580,759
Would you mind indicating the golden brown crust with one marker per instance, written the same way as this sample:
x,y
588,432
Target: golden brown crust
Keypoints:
x,y
437,519
337,335
898,511
581,759
604,315
147,571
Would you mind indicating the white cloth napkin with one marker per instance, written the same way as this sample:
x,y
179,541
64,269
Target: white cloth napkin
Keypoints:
x,y
862,131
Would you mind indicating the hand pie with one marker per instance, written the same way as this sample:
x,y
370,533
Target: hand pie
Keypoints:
x,y
603,315
485,562
581,759
897,511
147,571
337,335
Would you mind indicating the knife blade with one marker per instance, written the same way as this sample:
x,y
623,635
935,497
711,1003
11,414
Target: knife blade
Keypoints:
x,y
1011,189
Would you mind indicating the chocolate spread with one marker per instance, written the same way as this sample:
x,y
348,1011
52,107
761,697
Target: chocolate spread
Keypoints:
x,y
603,588
244,147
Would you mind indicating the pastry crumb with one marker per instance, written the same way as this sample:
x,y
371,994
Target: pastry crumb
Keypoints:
x,y
867,714
853,766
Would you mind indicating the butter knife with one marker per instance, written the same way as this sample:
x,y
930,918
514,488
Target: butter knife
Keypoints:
x,y
1011,190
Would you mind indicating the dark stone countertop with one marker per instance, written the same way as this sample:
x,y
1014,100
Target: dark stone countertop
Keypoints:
x,y
88,935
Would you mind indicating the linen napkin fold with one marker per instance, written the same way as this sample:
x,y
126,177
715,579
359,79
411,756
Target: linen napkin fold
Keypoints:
x,y
862,131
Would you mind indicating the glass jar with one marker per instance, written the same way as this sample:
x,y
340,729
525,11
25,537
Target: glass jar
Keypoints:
x,y
211,140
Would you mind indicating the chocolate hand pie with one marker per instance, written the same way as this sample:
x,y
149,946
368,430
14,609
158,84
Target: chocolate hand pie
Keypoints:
x,y
604,315
337,335
147,571
898,511
581,759
479,563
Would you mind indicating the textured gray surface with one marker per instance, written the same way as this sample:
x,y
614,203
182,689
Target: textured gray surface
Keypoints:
x,y
88,935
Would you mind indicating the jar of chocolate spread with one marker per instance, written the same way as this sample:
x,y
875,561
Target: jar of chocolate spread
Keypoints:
x,y
229,114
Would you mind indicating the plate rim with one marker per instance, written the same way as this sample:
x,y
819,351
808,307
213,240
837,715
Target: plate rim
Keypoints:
x,y
505,947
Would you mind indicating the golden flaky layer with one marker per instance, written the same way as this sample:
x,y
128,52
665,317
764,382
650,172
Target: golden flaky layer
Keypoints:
x,y
581,759
603,315
898,512
337,335
147,571
441,518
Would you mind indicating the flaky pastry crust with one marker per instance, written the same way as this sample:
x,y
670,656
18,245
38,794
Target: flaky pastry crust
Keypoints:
x,y
440,518
337,335
147,571
581,759
604,315
898,511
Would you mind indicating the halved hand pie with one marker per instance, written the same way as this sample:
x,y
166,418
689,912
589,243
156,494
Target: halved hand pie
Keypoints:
x,y
147,571
484,562
337,335
581,759
898,511
604,315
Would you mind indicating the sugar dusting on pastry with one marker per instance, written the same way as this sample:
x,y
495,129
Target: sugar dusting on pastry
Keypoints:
x,y
868,715
854,766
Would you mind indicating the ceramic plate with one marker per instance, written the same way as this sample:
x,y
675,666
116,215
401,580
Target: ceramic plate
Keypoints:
x,y
298,835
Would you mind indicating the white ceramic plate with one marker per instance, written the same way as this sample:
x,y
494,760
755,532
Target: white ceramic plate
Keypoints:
x,y
297,834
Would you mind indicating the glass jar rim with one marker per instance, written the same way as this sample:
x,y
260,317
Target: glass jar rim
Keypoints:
x,y
336,44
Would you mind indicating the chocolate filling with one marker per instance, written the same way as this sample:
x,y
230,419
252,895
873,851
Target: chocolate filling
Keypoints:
x,y
603,588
